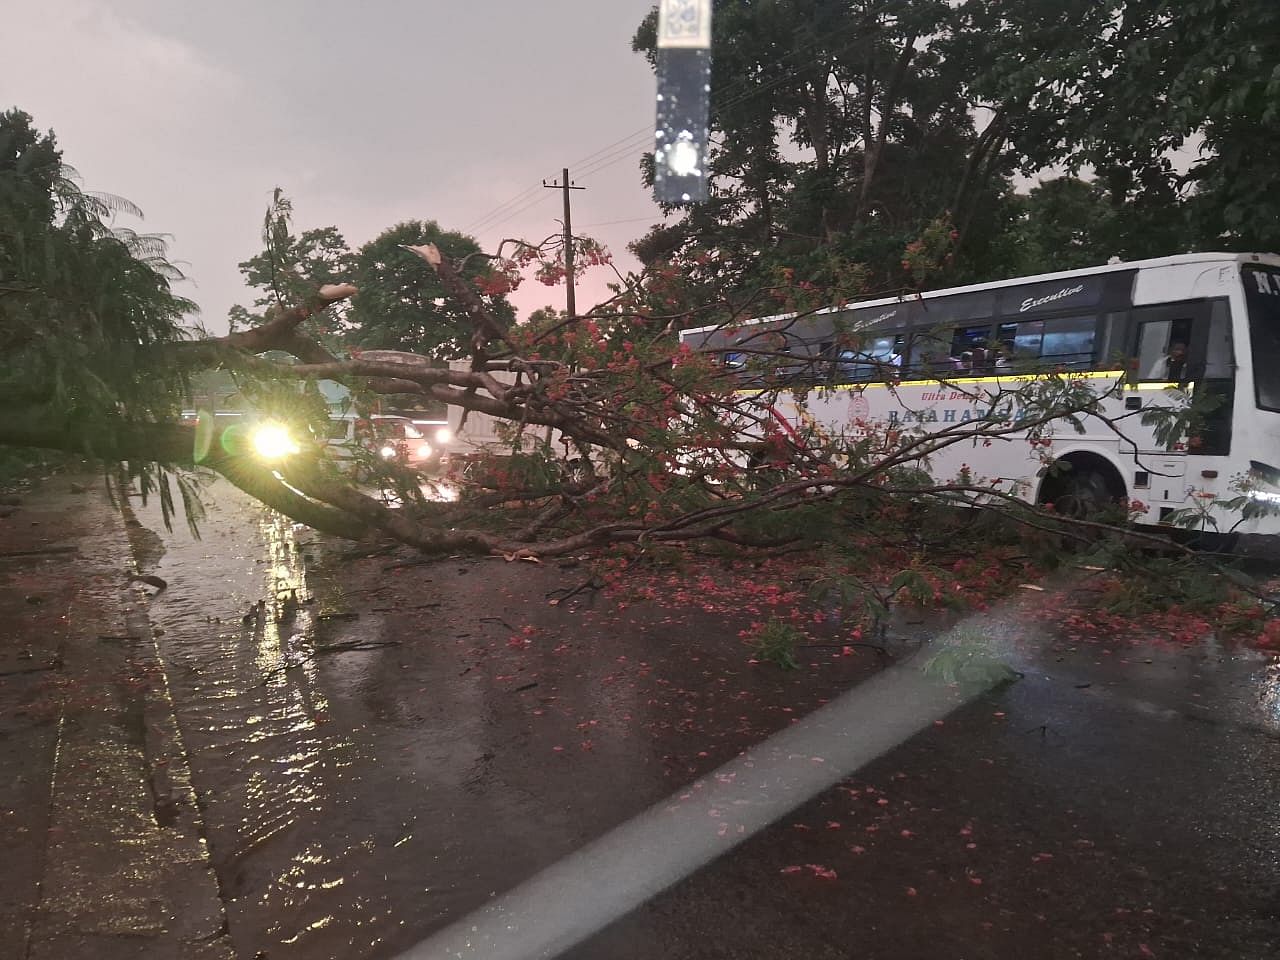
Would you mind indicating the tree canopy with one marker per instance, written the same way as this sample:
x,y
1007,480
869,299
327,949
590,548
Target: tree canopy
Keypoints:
x,y
86,307
401,308
398,307
844,131
613,435
83,303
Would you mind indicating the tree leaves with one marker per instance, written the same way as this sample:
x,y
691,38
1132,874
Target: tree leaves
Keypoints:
x,y
85,304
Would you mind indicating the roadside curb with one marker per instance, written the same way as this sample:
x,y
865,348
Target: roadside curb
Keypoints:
x,y
127,870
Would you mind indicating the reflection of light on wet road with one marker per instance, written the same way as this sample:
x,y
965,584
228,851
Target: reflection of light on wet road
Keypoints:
x,y
446,492
254,710
314,925
1269,697
433,491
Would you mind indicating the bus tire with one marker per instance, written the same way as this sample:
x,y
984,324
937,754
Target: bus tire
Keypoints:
x,y
1082,486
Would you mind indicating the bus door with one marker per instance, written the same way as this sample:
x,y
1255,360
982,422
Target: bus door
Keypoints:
x,y
1189,344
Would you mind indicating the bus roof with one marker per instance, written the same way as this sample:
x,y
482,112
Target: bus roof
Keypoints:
x,y
1185,258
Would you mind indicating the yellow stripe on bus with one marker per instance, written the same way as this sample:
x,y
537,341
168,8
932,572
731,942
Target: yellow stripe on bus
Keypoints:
x,y
950,381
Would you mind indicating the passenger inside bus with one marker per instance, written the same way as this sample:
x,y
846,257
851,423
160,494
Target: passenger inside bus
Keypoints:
x,y
1172,366
1176,362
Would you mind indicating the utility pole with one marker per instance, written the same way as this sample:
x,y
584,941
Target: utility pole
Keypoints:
x,y
565,186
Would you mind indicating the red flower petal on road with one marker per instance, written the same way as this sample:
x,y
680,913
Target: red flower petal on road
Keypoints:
x,y
906,834
857,849
833,824
821,872
911,891
791,869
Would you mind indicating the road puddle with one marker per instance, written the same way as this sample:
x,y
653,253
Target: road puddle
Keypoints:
x,y
380,747
244,627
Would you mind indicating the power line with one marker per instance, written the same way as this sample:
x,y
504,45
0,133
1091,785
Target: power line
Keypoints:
x,y
747,93
638,136
518,198
542,198
735,93
656,215
617,156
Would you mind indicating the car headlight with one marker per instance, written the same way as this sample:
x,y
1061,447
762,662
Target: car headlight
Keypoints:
x,y
424,451
387,452
444,435
271,441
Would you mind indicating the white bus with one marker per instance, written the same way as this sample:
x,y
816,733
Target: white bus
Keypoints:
x,y
1199,324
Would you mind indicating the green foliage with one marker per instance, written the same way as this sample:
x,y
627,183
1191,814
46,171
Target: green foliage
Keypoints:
x,y
1141,582
1177,424
775,642
402,305
966,658
160,484
838,132
845,132
85,305
1064,224
82,303
291,268
1118,84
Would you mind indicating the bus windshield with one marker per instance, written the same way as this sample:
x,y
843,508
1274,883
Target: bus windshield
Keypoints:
x,y
1262,295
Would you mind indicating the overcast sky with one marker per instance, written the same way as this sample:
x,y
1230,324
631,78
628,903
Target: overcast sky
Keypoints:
x,y
365,113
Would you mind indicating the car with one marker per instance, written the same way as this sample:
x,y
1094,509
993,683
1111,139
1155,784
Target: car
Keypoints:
x,y
399,439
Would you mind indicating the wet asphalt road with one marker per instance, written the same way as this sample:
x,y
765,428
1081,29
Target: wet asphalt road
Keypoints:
x,y
377,763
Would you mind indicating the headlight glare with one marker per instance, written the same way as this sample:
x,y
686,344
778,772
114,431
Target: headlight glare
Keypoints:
x,y
271,441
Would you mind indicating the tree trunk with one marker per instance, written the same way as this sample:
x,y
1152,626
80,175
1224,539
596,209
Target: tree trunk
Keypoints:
x,y
888,106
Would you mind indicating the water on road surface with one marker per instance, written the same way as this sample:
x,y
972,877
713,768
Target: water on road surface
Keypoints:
x,y
380,748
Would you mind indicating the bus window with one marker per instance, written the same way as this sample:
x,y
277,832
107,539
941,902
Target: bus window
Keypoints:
x,y
970,349
930,355
1068,341
1162,349
887,352
878,358
1215,378
1110,349
1032,344
1018,345
1153,347
1262,296
1219,356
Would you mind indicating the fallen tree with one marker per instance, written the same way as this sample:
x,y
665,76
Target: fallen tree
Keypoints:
x,y
668,447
